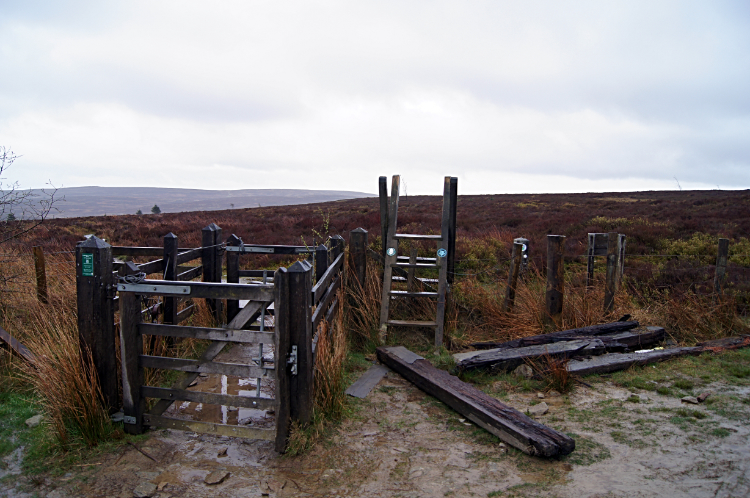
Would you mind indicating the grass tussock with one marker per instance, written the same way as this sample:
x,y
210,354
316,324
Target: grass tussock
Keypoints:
x,y
362,315
63,378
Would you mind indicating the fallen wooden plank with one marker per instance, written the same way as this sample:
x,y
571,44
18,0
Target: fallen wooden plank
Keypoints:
x,y
727,343
621,361
534,340
362,387
640,338
508,359
14,345
508,424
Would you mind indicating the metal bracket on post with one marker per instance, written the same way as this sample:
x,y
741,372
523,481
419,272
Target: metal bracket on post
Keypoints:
x,y
291,359
127,419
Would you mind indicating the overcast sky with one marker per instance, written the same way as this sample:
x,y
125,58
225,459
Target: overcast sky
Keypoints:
x,y
523,96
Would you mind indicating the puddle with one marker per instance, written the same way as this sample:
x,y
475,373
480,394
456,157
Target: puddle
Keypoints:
x,y
237,386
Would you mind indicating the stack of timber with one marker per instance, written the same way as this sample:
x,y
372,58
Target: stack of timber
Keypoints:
x,y
614,362
574,343
508,424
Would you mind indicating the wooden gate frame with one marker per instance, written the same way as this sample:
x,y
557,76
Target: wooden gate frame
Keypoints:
x,y
134,361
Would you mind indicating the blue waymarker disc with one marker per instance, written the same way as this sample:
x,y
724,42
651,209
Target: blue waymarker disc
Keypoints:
x,y
442,253
391,251
523,247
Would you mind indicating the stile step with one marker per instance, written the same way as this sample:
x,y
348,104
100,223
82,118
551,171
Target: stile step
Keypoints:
x,y
411,323
423,280
416,265
412,236
399,293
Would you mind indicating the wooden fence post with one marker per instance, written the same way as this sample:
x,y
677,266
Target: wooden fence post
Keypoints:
x,y
95,289
410,271
591,253
283,349
555,279
211,259
321,261
720,276
170,273
524,254
621,242
610,286
383,191
41,274
337,246
452,229
515,267
131,348
233,275
358,254
300,333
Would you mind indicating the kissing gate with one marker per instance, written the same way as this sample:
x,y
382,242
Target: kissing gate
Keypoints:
x,y
277,318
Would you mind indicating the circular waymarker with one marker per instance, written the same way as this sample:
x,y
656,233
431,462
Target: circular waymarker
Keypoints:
x,y
442,253
523,247
391,251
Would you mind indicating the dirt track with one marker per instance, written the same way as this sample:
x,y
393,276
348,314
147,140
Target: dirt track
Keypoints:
x,y
403,443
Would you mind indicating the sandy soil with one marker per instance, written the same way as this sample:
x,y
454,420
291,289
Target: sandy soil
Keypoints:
x,y
403,443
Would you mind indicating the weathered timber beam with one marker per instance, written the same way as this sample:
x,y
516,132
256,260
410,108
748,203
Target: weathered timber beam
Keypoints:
x,y
508,359
505,422
15,346
621,361
593,330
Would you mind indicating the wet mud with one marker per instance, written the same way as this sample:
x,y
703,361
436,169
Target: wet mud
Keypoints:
x,y
402,443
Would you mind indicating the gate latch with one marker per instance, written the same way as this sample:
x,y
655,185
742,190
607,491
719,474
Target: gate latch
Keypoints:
x,y
291,359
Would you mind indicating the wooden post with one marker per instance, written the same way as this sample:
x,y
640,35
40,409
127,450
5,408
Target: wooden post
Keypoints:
x,y
218,261
452,229
95,289
410,271
300,333
722,256
211,259
41,274
207,260
610,287
591,257
555,279
283,350
524,254
443,271
621,241
358,254
131,348
337,247
515,268
170,273
233,275
384,219
321,261
390,260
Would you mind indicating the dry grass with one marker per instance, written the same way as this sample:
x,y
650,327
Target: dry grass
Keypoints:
x,y
362,315
486,320
63,377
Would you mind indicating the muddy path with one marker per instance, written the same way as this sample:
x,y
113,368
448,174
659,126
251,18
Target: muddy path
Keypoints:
x,y
403,443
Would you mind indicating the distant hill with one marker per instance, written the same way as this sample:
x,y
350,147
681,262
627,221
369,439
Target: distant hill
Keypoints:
x,y
98,201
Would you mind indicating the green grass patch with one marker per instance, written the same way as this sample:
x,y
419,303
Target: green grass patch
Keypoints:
x,y
587,451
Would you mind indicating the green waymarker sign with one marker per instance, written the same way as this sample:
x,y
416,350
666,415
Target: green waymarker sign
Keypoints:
x,y
87,262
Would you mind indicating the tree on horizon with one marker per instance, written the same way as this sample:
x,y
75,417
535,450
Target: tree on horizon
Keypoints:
x,y
155,209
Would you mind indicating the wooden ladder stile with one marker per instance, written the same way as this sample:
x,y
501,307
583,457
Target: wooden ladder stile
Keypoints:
x,y
440,262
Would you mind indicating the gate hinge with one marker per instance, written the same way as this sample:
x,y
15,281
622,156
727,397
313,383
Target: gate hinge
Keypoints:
x,y
291,359
128,419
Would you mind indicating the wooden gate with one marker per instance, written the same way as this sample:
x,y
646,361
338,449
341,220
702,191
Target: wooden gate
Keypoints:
x,y
132,288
